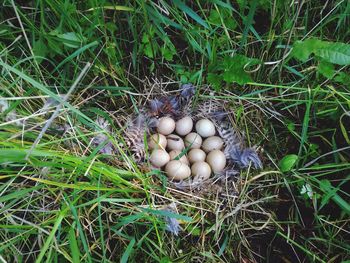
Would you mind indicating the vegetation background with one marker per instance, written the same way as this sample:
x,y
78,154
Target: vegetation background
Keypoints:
x,y
284,67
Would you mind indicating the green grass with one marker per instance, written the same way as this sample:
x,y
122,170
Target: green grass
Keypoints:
x,y
282,66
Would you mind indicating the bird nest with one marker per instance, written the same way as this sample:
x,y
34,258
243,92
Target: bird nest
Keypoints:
x,y
218,194
184,104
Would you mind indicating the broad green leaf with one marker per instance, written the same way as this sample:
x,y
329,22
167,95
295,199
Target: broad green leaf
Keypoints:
x,y
343,78
215,80
303,49
288,162
71,39
326,69
40,50
215,17
234,69
222,18
56,47
237,76
336,53
168,50
165,260
147,46
332,52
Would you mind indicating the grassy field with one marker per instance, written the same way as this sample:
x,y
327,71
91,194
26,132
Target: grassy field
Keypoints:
x,y
283,67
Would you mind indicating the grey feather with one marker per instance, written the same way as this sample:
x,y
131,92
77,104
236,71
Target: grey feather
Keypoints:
x,y
134,136
245,157
101,138
172,225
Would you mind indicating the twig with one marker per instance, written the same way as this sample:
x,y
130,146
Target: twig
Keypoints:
x,y
58,108
323,155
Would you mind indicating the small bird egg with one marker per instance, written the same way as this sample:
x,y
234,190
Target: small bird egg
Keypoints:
x,y
212,143
175,142
166,126
217,160
177,170
159,158
196,155
175,153
205,128
157,141
184,126
193,140
201,169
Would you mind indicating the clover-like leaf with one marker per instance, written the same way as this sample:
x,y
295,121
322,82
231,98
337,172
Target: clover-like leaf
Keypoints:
x,y
288,162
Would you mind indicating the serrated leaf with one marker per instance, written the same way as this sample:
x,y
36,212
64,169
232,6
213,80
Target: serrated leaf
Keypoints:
x,y
238,76
167,53
343,78
326,69
148,51
222,17
214,17
215,80
234,69
147,48
288,162
168,50
303,49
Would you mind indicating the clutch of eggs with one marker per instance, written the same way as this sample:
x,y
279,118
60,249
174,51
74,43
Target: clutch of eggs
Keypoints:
x,y
183,148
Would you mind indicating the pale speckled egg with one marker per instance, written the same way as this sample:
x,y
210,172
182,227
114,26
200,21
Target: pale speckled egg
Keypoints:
x,y
175,142
193,140
177,170
166,125
212,143
201,170
159,158
175,153
196,155
205,128
217,160
157,141
184,126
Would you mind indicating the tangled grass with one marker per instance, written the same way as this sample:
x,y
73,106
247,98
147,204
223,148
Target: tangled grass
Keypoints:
x,y
281,66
